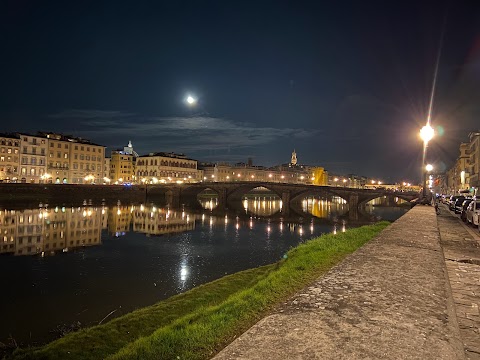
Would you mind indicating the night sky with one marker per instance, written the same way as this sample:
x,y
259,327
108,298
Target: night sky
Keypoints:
x,y
345,83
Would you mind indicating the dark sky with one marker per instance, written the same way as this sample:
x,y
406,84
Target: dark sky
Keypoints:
x,y
345,83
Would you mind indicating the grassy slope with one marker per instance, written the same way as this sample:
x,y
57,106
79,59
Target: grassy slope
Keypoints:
x,y
200,322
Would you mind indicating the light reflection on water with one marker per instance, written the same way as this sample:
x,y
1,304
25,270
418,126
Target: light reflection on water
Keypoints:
x,y
87,261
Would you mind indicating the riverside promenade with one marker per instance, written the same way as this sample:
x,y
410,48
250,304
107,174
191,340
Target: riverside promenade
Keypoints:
x,y
391,299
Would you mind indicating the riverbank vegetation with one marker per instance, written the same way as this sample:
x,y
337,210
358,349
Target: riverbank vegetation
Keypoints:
x,y
200,322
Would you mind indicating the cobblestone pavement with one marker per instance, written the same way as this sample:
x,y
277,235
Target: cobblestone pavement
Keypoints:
x,y
461,247
391,299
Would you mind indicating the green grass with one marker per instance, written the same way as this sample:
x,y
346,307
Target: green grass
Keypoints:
x,y
196,324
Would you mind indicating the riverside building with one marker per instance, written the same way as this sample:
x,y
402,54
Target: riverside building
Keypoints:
x,y
83,159
290,173
122,165
9,157
166,168
33,155
50,158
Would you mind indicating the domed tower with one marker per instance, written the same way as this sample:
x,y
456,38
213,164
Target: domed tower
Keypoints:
x,y
294,158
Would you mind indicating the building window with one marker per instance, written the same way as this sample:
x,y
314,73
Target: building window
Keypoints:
x,y
9,151
59,145
51,144
65,156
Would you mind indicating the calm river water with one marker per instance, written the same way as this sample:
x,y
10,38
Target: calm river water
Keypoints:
x,y
67,266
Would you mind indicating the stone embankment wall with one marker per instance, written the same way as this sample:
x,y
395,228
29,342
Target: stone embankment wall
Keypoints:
x,y
16,194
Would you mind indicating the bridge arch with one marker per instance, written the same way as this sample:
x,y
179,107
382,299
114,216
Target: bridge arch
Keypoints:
x,y
189,194
320,191
239,192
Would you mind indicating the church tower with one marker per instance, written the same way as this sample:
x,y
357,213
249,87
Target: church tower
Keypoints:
x,y
294,158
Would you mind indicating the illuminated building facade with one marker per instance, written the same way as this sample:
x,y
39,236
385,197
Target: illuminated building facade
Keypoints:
x,y
121,168
33,155
474,161
50,158
166,168
9,157
243,172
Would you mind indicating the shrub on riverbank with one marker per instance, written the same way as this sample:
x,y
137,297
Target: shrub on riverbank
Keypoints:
x,y
200,322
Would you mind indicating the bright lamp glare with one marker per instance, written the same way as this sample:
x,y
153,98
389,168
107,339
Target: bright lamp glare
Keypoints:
x,y
429,167
426,133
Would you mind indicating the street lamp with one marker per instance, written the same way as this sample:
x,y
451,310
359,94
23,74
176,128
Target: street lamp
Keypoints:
x,y
426,134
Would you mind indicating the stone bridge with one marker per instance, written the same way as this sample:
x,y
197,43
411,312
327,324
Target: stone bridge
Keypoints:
x,y
230,194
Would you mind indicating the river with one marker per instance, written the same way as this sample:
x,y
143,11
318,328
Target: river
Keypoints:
x,y
69,267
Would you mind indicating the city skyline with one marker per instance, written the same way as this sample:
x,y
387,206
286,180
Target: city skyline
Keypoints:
x,y
348,90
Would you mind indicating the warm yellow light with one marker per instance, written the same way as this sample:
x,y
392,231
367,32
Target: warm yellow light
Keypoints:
x,y
429,167
426,133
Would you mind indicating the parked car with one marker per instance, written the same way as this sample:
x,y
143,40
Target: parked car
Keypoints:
x,y
451,203
457,207
463,209
473,213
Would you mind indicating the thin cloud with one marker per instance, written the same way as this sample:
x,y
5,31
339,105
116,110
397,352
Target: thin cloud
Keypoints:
x,y
182,134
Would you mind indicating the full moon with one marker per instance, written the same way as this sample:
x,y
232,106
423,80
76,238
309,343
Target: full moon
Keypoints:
x,y
191,100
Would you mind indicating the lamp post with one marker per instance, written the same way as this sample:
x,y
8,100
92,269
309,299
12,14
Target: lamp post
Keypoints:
x,y
426,134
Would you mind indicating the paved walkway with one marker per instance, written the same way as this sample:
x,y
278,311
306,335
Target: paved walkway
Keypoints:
x,y
389,300
461,247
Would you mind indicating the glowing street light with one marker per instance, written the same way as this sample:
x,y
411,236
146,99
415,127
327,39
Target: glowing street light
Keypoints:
x,y
429,167
45,176
426,134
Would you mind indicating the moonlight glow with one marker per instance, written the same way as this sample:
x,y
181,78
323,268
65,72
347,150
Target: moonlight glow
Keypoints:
x,y
191,100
